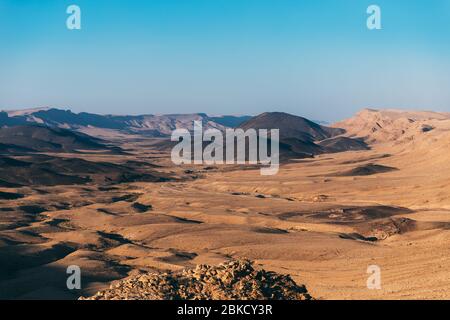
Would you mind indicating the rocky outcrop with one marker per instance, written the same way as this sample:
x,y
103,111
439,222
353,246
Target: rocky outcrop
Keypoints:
x,y
228,281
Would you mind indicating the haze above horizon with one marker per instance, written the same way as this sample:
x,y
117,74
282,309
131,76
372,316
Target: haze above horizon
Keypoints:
x,y
315,59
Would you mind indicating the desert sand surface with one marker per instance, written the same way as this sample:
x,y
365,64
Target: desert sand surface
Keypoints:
x,y
322,220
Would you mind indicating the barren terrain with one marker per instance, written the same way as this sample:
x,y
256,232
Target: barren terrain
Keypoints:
x,y
322,220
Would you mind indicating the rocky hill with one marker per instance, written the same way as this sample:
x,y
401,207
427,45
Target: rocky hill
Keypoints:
x,y
235,280
389,125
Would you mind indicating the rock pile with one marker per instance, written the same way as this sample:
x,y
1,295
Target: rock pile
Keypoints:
x,y
228,281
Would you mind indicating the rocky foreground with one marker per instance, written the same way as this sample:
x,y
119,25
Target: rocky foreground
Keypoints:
x,y
232,280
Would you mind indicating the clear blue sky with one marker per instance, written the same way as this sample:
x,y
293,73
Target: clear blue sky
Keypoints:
x,y
314,58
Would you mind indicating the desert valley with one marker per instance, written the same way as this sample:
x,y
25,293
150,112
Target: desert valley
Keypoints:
x,y
101,192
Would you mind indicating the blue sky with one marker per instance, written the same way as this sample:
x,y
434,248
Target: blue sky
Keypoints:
x,y
314,58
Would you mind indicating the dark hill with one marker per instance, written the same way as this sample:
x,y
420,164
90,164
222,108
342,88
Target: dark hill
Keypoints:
x,y
367,170
340,144
298,135
26,138
291,148
5,120
35,171
50,171
13,149
291,126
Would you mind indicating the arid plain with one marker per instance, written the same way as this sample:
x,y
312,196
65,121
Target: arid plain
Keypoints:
x,y
323,220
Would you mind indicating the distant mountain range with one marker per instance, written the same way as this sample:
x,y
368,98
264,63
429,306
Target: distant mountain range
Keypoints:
x,y
299,137
148,125
55,130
